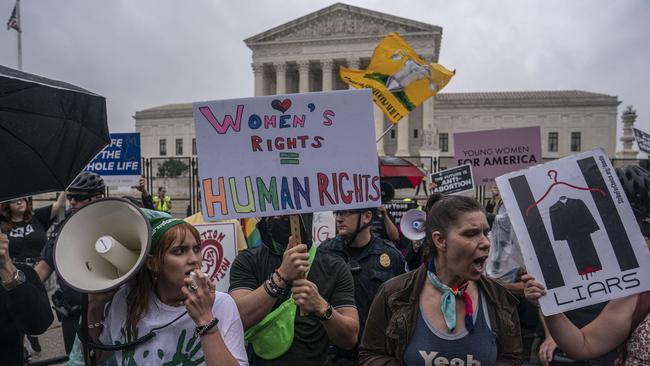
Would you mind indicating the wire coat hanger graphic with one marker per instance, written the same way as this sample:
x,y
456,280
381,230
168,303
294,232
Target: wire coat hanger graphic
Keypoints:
x,y
553,175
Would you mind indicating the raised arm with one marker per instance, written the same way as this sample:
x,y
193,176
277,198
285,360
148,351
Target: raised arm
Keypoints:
x,y
603,334
253,300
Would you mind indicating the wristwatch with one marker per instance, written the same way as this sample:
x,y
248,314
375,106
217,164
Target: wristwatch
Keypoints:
x,y
18,278
327,315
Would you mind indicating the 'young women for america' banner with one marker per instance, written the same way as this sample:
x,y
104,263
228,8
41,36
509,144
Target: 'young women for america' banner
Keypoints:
x,y
287,154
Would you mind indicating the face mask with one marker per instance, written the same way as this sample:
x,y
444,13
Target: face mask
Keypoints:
x,y
279,230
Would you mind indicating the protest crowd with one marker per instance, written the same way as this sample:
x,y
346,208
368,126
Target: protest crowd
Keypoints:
x,y
456,281
354,300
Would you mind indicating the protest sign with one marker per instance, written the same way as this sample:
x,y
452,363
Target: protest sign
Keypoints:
x,y
642,140
492,153
119,163
400,80
289,154
577,231
218,249
397,209
323,227
453,180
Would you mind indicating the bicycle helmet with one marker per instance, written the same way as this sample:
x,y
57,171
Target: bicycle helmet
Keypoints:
x,y
636,184
88,182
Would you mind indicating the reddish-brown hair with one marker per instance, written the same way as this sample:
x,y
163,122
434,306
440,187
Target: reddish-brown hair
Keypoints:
x,y
145,281
5,212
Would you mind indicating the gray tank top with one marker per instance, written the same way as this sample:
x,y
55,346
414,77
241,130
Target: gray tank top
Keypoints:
x,y
430,346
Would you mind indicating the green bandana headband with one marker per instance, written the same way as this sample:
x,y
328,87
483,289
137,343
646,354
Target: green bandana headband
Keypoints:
x,y
159,227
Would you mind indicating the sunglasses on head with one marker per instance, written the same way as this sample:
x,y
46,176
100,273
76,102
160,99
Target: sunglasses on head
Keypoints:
x,y
79,197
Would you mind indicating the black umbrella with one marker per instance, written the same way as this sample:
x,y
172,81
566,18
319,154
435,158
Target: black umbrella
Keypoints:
x,y
49,131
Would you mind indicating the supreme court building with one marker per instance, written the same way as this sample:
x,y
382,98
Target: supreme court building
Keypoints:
x,y
304,55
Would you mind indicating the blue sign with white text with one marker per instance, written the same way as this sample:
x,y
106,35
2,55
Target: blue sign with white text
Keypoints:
x,y
120,159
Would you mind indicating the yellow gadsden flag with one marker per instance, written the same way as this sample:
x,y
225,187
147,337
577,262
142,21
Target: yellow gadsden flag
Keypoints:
x,y
400,80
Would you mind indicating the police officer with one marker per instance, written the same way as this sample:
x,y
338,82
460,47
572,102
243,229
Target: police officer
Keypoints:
x,y
87,187
372,262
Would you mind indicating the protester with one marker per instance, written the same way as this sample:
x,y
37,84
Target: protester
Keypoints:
x,y
623,323
416,248
87,187
383,226
446,311
495,202
262,279
145,196
578,317
161,201
193,322
26,229
24,306
372,262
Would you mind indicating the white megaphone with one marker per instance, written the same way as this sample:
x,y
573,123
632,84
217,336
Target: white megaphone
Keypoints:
x,y
412,224
102,245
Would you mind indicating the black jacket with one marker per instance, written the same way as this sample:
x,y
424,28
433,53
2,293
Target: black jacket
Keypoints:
x,y
24,309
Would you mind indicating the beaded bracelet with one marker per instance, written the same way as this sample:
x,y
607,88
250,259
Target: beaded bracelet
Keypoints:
x,y
274,286
280,276
277,290
201,330
268,290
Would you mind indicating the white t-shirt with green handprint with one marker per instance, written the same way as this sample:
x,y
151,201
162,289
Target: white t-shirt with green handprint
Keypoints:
x,y
175,344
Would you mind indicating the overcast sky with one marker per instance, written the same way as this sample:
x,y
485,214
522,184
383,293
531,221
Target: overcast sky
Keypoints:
x,y
144,53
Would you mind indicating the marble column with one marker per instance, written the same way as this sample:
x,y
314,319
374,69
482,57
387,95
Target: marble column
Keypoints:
x,y
328,66
280,77
379,129
429,146
403,137
258,72
353,63
303,72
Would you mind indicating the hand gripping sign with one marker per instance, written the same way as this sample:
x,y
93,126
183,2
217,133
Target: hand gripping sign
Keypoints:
x,y
577,231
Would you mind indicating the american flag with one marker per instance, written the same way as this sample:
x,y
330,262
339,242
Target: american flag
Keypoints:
x,y
13,21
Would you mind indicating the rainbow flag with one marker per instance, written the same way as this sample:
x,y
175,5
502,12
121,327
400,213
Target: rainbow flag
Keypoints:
x,y
253,237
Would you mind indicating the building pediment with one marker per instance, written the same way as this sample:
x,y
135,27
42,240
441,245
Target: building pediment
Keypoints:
x,y
341,21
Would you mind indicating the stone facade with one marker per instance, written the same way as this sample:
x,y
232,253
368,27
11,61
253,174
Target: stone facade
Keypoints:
x,y
305,54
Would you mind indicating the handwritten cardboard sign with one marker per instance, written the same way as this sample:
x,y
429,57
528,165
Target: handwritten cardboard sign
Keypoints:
x,y
288,154
119,163
453,180
577,231
492,153
218,249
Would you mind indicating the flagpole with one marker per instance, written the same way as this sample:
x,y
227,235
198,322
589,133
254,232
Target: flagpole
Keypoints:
x,y
20,33
385,132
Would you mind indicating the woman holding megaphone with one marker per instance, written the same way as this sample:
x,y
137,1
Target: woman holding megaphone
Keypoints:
x,y
171,297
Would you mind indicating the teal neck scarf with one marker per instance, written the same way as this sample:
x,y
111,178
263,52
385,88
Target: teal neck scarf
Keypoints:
x,y
448,300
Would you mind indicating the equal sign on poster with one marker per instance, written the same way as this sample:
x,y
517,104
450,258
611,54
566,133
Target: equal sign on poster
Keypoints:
x,y
577,231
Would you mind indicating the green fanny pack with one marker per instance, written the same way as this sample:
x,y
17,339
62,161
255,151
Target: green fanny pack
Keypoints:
x,y
272,336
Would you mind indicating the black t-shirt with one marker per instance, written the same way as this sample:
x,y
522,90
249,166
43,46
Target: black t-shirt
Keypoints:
x,y
332,276
26,239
